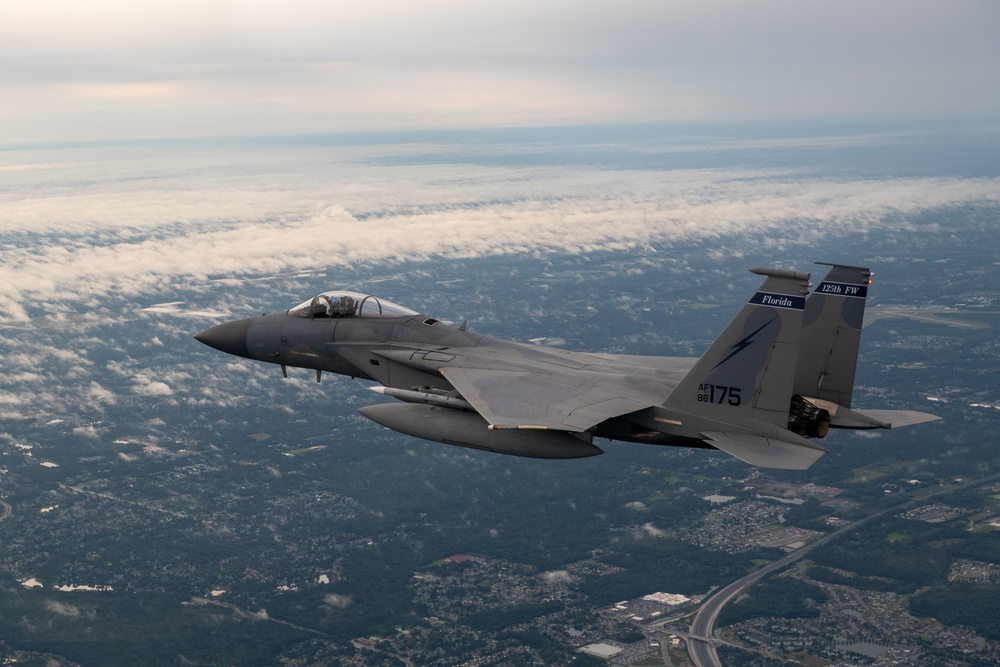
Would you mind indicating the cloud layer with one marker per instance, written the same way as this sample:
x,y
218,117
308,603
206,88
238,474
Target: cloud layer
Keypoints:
x,y
136,227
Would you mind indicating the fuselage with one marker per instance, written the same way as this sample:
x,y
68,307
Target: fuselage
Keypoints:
x,y
402,349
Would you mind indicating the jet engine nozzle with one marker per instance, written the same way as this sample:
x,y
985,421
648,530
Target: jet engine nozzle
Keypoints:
x,y
807,419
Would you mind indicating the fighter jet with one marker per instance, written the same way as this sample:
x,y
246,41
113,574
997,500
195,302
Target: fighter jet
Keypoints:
x,y
777,379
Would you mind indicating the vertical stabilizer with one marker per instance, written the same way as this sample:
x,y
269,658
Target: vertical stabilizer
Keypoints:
x,y
747,373
831,335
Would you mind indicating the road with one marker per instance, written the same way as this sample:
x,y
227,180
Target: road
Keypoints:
x,y
260,614
702,649
701,645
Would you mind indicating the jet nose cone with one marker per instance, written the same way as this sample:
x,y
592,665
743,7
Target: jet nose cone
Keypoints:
x,y
229,337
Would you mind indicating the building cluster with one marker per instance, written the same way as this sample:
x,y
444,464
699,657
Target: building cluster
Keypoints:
x,y
649,608
862,626
975,571
933,513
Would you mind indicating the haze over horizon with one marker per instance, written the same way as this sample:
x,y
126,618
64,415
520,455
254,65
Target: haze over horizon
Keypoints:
x,y
114,70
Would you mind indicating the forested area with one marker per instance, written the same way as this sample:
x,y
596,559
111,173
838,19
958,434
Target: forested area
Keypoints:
x,y
782,597
826,575
153,629
910,553
962,603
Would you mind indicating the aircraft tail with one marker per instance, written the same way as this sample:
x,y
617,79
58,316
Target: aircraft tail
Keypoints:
x,y
747,373
738,395
782,372
828,358
831,335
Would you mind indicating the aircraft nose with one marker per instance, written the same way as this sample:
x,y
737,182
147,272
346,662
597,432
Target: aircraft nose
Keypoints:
x,y
229,337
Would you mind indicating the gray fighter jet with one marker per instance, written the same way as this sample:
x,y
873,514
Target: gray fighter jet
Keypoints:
x,y
776,380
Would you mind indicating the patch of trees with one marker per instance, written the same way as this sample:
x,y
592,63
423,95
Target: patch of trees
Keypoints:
x,y
666,565
979,546
829,576
911,566
783,597
625,633
112,628
492,620
912,553
810,514
376,586
737,657
549,650
961,603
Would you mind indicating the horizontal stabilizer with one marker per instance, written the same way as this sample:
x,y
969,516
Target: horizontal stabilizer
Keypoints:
x,y
767,452
862,419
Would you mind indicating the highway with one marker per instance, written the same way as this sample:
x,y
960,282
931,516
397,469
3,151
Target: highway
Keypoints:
x,y
701,644
701,647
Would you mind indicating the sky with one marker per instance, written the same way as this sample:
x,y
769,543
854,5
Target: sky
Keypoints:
x,y
73,71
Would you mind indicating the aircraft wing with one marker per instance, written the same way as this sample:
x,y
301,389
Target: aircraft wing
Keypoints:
x,y
570,401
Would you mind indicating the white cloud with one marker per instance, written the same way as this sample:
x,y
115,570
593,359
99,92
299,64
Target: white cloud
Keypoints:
x,y
63,609
97,393
337,601
259,615
147,387
209,223
557,577
653,531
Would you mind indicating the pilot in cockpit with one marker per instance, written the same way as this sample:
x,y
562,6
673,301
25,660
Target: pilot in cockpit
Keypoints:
x,y
324,306
342,306
320,307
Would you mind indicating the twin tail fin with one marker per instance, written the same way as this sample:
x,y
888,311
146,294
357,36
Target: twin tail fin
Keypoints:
x,y
782,373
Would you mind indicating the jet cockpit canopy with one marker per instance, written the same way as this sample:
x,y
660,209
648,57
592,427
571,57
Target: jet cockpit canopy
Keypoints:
x,y
348,304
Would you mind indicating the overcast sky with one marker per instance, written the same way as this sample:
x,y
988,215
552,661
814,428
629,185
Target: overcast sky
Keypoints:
x,y
115,68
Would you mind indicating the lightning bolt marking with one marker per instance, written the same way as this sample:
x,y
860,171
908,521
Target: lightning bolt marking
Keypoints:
x,y
743,344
